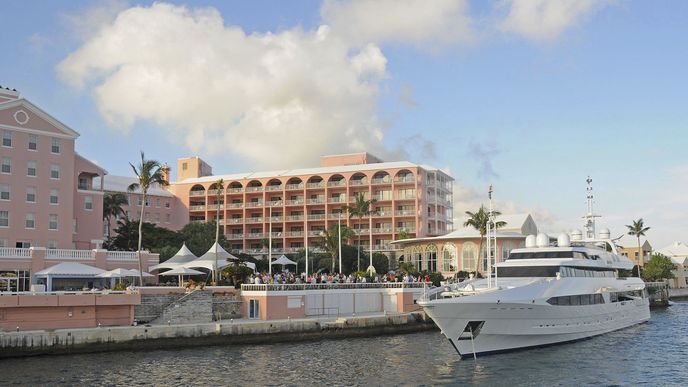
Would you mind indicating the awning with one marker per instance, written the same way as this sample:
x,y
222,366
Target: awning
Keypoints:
x,y
70,269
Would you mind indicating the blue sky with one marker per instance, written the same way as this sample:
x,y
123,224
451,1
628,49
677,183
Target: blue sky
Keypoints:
x,y
531,96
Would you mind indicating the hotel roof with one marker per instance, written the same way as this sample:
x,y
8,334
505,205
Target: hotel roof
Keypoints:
x,y
310,171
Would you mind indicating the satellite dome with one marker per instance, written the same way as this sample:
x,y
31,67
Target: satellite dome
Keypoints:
x,y
542,240
605,233
563,240
576,235
530,241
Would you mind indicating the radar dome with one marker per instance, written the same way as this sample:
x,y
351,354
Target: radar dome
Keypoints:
x,y
530,241
576,235
542,240
604,233
563,240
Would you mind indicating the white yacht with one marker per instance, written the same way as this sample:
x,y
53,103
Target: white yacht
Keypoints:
x,y
541,295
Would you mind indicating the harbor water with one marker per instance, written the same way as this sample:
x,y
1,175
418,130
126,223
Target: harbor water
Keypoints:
x,y
654,353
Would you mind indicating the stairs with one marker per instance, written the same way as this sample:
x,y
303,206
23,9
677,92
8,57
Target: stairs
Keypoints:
x,y
194,307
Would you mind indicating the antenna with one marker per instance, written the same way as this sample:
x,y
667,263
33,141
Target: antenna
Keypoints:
x,y
590,216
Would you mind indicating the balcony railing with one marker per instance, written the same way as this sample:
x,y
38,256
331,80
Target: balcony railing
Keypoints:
x,y
11,252
405,213
315,185
274,203
358,182
197,207
275,218
338,183
294,217
212,192
361,231
122,256
316,201
316,217
406,197
315,233
235,190
235,205
331,286
254,204
214,206
254,189
68,254
197,193
336,200
406,229
273,188
294,202
235,236
234,221
336,216
255,235
254,219
381,181
380,198
405,179
382,230
291,187
382,213
294,233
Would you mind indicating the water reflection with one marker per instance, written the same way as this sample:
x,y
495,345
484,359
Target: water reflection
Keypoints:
x,y
651,353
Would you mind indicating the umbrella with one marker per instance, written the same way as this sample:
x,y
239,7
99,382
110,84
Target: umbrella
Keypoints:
x,y
135,273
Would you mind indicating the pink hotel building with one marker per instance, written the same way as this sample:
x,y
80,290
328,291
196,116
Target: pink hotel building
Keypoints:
x,y
52,197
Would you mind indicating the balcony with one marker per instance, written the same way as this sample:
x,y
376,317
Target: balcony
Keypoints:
x,y
234,221
275,218
336,200
361,231
294,233
336,216
406,197
276,234
255,235
294,217
196,193
214,206
295,202
316,201
274,203
235,190
405,213
316,185
197,207
273,188
316,217
338,183
235,205
233,237
406,229
379,198
254,204
382,230
405,179
381,181
293,187
254,219
213,192
380,214
254,189
315,233
358,182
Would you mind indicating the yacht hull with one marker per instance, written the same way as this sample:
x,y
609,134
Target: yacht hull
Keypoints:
x,y
500,327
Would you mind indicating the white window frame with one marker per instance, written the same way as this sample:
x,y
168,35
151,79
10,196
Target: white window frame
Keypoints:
x,y
7,135
6,161
30,217
31,164
34,194
52,219
4,219
34,142
5,189
88,203
56,196
55,168
55,143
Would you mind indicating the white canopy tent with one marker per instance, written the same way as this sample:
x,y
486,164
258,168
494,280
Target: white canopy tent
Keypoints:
x,y
184,255
71,270
208,260
283,260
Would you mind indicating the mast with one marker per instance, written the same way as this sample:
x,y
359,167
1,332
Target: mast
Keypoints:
x,y
491,247
590,215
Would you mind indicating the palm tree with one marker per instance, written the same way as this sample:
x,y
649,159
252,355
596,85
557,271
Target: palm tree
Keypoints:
x,y
478,220
219,191
360,208
148,172
112,207
329,241
638,229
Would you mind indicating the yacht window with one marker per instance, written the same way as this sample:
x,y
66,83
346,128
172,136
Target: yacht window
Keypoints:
x,y
528,271
548,254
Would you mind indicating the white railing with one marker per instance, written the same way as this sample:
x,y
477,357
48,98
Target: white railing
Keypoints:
x,y
382,181
316,216
197,193
273,188
337,183
254,204
294,202
69,254
11,252
235,236
254,189
235,205
315,185
197,207
235,190
405,179
254,220
294,233
294,186
316,201
122,256
358,182
405,213
295,217
234,220
334,286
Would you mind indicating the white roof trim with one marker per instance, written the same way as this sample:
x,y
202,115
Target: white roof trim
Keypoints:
x,y
42,114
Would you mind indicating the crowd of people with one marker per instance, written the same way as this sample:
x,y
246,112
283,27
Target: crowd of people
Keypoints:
x,y
287,277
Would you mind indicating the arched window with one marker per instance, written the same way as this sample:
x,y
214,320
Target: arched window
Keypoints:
x,y
449,257
469,252
431,256
418,258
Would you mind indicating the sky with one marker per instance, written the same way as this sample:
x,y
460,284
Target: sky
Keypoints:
x,y
531,96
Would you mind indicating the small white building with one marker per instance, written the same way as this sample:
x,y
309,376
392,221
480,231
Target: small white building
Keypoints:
x,y
678,253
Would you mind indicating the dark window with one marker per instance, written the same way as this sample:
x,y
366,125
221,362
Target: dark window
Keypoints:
x,y
528,271
548,254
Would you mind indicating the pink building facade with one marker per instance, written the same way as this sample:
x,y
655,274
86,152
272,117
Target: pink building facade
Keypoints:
x,y
297,205
47,195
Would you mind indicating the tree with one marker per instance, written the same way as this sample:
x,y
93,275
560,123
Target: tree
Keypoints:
x,y
219,190
403,234
200,236
329,241
638,229
658,268
478,220
156,239
148,173
360,208
112,207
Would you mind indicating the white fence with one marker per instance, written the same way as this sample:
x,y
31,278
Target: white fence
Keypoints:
x,y
122,256
69,254
11,252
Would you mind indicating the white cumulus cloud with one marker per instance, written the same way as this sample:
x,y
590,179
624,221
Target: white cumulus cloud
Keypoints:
x,y
418,22
294,93
545,20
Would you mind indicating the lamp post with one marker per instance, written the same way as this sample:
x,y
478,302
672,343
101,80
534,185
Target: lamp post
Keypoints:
x,y
339,224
